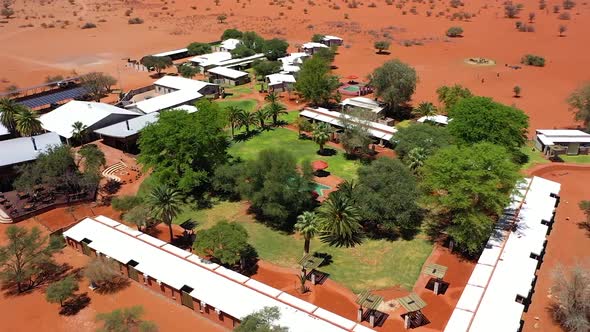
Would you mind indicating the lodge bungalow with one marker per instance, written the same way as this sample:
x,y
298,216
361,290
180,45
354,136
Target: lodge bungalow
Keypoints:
x,y
554,142
227,76
208,289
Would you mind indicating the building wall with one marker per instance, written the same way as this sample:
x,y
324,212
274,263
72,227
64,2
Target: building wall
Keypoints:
x,y
173,294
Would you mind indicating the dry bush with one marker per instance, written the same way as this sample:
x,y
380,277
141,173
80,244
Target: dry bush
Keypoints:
x,y
88,25
105,274
571,292
565,16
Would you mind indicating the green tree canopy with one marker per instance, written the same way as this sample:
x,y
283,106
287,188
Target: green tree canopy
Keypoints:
x,y
394,82
61,290
125,203
165,204
339,220
326,53
231,34
321,134
97,84
262,321
125,320
265,67
387,195
422,135
183,149
242,51
480,119
8,111
226,242
317,38
579,102
278,193
24,257
315,82
188,71
253,41
466,189
381,45
275,48
27,122
308,225
197,48
158,63
92,157
450,95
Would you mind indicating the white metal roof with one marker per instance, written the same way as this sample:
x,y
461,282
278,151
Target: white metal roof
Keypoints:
x,y
129,127
294,58
505,269
239,61
274,79
363,102
21,149
167,53
169,100
210,59
61,119
312,45
180,83
227,72
440,119
230,44
3,130
552,136
328,37
232,293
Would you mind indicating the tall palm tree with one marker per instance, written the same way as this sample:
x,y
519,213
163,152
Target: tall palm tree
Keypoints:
x,y
8,110
27,122
274,110
165,204
261,115
233,118
425,109
272,97
340,222
247,118
415,158
347,188
308,225
321,134
79,131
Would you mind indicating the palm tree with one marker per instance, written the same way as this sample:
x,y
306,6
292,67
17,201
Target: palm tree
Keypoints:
x,y
79,131
165,204
347,188
321,134
425,109
27,122
261,115
246,119
308,225
415,158
272,97
233,117
340,222
274,107
8,111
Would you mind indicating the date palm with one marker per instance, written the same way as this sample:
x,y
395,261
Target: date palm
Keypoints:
x,y
165,204
79,131
308,225
246,119
425,109
233,118
27,122
340,222
321,134
8,110
261,115
275,108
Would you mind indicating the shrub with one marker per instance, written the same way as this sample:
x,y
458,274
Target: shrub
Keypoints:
x,y
542,4
128,12
511,10
568,4
135,20
564,16
533,60
88,25
455,31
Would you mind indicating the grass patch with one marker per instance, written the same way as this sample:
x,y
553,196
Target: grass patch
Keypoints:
x,y
372,265
239,91
403,124
290,117
535,156
580,159
301,149
248,104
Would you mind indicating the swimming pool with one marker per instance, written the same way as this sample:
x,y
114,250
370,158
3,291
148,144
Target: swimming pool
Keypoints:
x,y
319,189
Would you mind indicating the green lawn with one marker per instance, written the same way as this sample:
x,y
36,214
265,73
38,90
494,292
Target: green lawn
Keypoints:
x,y
239,91
535,157
303,149
403,124
581,159
249,104
374,264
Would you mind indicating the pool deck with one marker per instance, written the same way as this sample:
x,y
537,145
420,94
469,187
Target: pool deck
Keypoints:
x,y
331,181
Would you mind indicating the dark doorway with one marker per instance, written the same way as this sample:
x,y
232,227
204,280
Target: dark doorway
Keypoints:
x,y
187,299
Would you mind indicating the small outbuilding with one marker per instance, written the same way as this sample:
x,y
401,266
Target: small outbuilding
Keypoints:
x,y
280,82
554,142
332,41
210,60
168,84
228,45
228,76
362,103
167,101
312,47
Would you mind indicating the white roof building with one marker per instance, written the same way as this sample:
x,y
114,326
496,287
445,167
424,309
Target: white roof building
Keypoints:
x,y
331,38
211,59
181,83
129,127
91,114
437,119
23,149
227,72
292,62
362,102
502,281
223,289
173,52
313,45
562,136
276,79
169,100
229,44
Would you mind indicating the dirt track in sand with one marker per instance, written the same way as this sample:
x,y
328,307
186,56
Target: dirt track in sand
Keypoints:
x,y
35,52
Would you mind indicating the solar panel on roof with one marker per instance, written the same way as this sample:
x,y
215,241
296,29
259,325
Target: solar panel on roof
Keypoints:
x,y
54,98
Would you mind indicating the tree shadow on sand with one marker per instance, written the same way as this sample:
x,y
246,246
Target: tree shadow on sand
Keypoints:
x,y
75,304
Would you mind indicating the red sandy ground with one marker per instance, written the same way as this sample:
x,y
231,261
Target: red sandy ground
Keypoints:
x,y
37,52
568,242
